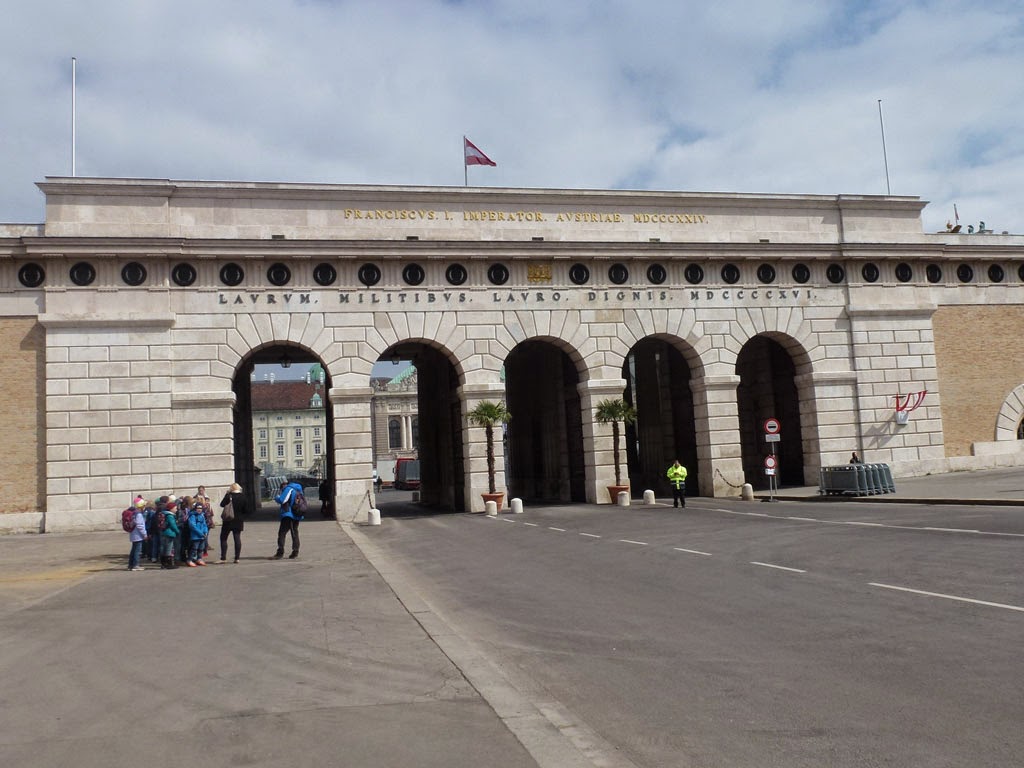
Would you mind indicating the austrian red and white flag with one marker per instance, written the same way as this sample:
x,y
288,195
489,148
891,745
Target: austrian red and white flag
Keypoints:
x,y
474,156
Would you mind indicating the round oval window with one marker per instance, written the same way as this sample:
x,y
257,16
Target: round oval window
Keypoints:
x,y
369,274
579,274
324,274
31,275
183,275
279,274
231,274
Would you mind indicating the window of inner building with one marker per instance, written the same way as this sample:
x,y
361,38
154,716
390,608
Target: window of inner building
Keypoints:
x,y
394,433
263,434
298,449
263,451
280,434
317,449
298,431
316,431
298,462
280,451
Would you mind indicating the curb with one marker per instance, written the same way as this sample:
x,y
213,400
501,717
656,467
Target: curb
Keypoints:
x,y
553,737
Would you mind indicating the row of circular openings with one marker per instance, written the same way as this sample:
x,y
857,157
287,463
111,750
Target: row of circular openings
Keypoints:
x,y
231,274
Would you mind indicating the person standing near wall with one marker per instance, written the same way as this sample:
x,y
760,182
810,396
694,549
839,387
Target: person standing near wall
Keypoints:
x,y
234,508
677,477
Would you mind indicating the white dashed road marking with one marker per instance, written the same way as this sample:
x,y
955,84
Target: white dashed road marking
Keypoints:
x,y
947,597
591,535
551,527
630,541
777,567
692,551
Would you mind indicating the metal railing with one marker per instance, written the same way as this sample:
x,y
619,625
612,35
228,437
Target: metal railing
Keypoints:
x,y
856,480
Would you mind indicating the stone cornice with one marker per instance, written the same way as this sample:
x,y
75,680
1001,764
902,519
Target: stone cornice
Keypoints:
x,y
202,399
148,321
235,190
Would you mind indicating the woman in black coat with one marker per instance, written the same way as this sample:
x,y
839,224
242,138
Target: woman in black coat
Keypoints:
x,y
232,520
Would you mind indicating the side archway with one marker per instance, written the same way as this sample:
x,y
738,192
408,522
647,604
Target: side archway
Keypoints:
x,y
768,366
1011,414
544,439
658,378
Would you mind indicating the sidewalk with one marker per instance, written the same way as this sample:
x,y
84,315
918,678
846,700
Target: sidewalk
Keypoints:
x,y
307,662
988,487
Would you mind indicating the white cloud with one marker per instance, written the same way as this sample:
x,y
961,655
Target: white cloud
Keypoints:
x,y
736,96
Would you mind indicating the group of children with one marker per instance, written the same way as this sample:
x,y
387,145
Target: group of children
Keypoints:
x,y
171,529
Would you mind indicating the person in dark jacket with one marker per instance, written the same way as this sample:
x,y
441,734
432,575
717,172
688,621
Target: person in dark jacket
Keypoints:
x,y
234,524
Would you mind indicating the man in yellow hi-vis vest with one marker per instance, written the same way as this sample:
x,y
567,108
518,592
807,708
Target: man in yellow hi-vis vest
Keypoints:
x,y
677,476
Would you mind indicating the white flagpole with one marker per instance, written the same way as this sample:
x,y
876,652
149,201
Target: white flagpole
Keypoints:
x,y
74,78
465,165
885,157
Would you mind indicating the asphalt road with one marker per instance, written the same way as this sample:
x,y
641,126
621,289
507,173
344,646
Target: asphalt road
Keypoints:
x,y
738,634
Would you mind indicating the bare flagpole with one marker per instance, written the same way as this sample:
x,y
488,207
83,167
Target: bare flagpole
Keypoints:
x,y
888,189
74,78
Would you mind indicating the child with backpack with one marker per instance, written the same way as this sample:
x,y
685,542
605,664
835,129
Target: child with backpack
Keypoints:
x,y
198,530
167,525
133,521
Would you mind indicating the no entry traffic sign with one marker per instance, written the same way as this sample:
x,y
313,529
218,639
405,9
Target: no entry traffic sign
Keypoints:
x,y
772,426
770,462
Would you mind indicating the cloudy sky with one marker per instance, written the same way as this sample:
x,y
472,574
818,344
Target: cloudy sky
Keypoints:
x,y
773,96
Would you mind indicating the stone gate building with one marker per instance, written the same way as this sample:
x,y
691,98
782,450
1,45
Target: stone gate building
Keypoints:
x,y
131,319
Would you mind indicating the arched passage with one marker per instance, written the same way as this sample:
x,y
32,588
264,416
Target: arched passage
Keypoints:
x,y
430,431
282,419
658,386
544,450
768,389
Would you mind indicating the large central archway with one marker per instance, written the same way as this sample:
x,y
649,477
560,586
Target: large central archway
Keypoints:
x,y
544,451
658,387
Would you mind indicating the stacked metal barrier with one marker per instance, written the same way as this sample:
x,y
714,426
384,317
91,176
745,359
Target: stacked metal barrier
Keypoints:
x,y
856,480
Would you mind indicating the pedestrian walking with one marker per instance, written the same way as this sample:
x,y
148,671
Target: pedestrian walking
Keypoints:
x,y
291,516
677,477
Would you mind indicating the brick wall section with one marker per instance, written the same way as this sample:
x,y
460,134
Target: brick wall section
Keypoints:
x,y
22,358
979,353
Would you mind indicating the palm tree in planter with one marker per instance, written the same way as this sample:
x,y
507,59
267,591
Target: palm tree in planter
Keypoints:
x,y
614,411
488,414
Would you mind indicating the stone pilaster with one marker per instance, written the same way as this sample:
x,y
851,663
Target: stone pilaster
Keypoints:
x,y
718,435
474,443
598,455
353,452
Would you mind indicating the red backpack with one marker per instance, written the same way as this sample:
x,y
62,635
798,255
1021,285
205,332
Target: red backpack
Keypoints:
x,y
128,519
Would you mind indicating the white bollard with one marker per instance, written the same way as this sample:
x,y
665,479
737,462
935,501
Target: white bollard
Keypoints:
x,y
415,497
373,517
491,507
516,505
747,492
648,497
623,499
